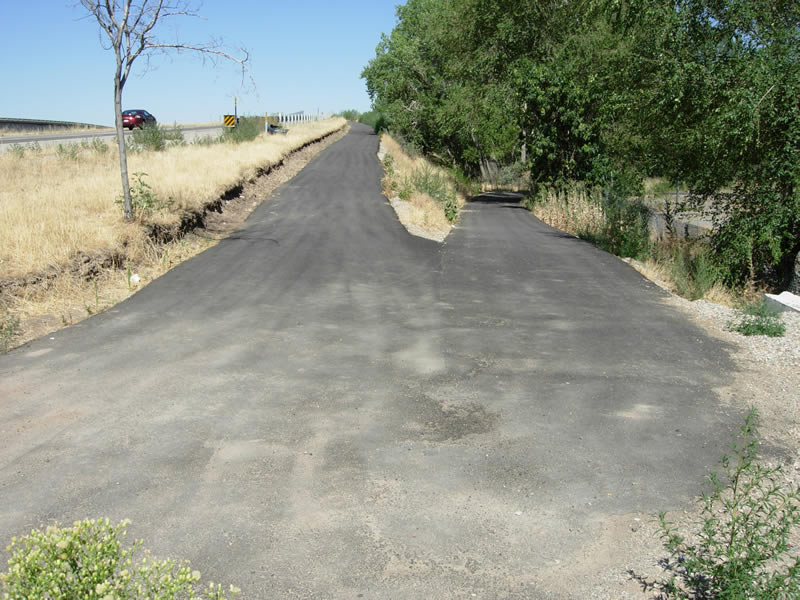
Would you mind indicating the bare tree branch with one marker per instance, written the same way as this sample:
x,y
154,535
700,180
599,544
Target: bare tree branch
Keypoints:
x,y
130,26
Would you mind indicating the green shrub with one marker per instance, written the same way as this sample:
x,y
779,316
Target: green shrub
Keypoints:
x,y
350,114
99,146
89,561
740,550
9,324
246,130
759,319
143,199
17,150
156,138
465,184
451,210
691,267
626,232
388,164
405,189
374,119
68,151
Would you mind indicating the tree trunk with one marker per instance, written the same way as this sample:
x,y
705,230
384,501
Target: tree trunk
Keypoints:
x,y
123,156
794,284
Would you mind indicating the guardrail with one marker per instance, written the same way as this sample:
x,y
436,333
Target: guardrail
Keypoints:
x,y
7,124
295,117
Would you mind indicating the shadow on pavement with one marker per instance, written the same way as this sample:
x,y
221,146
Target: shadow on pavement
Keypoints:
x,y
500,198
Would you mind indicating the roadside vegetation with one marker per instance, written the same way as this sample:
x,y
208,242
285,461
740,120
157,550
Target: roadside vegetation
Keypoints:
x,y
57,204
424,194
621,225
758,319
433,195
65,241
55,130
606,96
373,118
92,559
742,545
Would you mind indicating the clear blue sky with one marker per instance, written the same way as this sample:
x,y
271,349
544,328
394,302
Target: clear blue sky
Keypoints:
x,y
305,55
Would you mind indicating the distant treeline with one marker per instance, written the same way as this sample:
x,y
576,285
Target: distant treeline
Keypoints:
x,y
701,92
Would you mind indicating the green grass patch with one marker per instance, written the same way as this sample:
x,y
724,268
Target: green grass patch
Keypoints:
x,y
759,319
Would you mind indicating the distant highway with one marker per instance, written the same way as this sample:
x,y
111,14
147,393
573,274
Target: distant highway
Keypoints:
x,y
49,138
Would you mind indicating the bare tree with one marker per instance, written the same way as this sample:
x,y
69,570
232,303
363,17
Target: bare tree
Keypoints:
x,y
129,26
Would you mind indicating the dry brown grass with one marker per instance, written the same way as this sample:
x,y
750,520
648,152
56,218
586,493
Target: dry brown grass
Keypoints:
x,y
575,210
579,211
52,208
423,211
69,297
66,295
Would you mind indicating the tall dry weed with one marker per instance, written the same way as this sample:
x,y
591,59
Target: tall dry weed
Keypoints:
x,y
574,209
424,211
53,208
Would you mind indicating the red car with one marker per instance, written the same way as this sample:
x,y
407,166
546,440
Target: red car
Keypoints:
x,y
137,118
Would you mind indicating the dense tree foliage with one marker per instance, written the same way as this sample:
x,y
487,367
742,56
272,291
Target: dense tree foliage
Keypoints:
x,y
608,91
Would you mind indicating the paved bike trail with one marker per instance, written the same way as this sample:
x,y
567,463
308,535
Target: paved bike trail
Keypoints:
x,y
322,406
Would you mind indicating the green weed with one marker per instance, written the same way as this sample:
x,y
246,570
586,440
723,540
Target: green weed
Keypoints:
x,y
388,164
690,266
626,231
451,210
88,560
741,549
759,319
246,130
68,151
9,324
99,146
144,201
155,138
437,186
405,189
17,150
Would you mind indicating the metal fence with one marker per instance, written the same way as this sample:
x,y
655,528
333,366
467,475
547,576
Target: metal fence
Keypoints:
x,y
281,118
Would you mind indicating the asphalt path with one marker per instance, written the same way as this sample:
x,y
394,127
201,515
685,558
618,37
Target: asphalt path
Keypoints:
x,y
323,406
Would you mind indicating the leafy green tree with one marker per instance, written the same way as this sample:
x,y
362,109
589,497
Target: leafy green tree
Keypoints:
x,y
719,96
706,92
